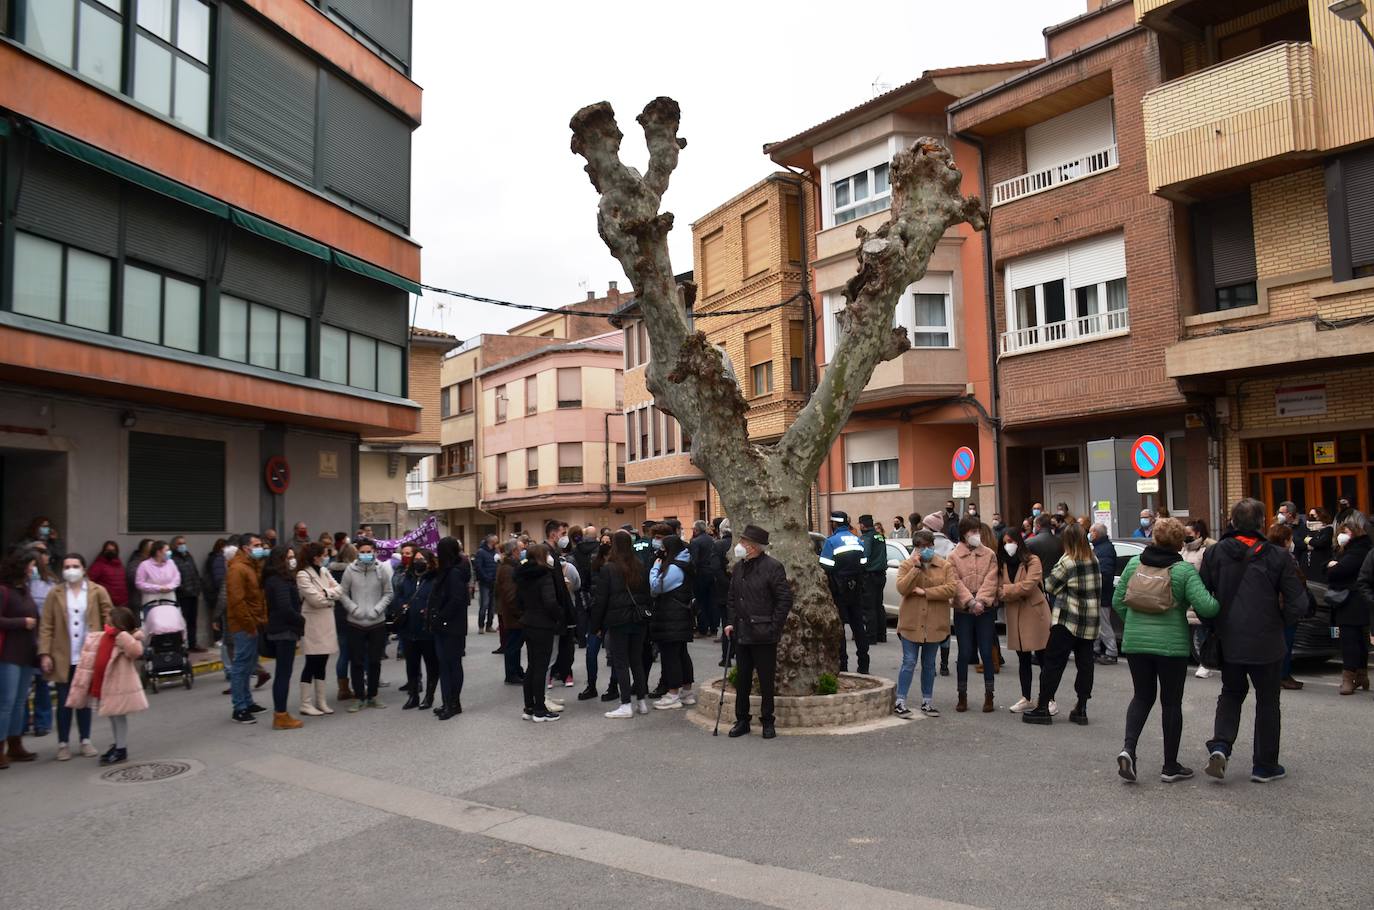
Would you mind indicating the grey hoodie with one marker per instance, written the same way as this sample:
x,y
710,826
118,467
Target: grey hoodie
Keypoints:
x,y
366,593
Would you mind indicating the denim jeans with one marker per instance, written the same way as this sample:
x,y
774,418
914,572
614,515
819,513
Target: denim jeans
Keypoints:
x,y
42,705
245,657
982,630
14,694
64,714
593,649
484,605
926,652
511,652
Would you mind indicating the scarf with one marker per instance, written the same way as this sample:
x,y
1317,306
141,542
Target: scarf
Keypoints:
x,y
104,652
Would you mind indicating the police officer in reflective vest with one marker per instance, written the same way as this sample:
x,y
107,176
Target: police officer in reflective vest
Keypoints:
x,y
875,579
843,559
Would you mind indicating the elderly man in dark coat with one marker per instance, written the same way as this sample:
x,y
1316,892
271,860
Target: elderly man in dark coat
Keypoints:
x,y
759,601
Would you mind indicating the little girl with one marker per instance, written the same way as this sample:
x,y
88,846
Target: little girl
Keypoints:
x,y
107,678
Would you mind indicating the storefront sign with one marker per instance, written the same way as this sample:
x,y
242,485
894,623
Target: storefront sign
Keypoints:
x,y
1324,452
1102,513
329,464
1300,401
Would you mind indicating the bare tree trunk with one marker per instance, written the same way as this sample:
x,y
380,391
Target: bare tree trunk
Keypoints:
x,y
691,380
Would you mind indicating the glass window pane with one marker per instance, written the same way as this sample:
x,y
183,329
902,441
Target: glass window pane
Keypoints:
x,y
333,354
262,336
841,193
142,304
292,344
1116,294
37,277
1272,453
156,17
389,369
1297,452
860,181
1054,301
880,176
99,54
48,30
193,29
113,4
362,362
1348,449
1085,299
153,75
930,340
887,472
193,97
88,290
181,315
930,310
233,328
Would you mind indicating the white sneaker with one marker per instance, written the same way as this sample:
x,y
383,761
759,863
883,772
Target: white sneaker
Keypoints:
x,y
644,706
553,707
1054,708
526,715
687,697
1024,704
550,700
668,702
1203,673
623,711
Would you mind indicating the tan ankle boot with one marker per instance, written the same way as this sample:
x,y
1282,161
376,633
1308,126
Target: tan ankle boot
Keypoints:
x,y
988,702
17,750
345,693
282,720
1347,682
319,698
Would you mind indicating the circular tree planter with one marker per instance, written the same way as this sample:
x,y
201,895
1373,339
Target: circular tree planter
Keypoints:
x,y
862,703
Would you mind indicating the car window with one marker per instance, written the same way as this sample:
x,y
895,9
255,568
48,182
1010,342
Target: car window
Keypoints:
x,y
895,551
1124,552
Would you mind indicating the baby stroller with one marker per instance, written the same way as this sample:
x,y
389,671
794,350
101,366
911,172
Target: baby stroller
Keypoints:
x,y
165,653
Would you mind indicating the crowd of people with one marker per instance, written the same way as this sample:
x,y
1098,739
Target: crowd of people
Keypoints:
x,y
78,631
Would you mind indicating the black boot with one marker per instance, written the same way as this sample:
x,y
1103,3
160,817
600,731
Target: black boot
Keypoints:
x,y
413,701
741,728
612,692
863,665
944,663
588,693
1079,714
428,701
769,732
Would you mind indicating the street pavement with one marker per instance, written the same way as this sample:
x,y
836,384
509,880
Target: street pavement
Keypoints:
x,y
396,808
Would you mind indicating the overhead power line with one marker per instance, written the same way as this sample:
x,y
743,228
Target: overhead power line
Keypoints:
x,y
476,298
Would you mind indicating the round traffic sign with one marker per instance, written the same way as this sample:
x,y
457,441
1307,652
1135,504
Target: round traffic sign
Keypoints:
x,y
1147,456
962,464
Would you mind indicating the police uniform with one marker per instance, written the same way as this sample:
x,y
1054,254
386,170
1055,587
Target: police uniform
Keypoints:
x,y
844,562
875,579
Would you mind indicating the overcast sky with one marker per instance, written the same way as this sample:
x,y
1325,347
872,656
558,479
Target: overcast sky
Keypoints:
x,y
503,208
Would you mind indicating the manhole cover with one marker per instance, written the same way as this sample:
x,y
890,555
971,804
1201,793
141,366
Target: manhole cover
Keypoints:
x,y
147,772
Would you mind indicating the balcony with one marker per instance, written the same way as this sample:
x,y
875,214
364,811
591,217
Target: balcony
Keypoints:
x,y
1055,175
1256,108
1094,327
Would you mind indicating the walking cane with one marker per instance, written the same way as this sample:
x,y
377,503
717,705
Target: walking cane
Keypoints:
x,y
729,652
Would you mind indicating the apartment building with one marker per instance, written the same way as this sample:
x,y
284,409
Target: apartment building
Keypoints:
x,y
894,455
1261,136
204,261
1084,293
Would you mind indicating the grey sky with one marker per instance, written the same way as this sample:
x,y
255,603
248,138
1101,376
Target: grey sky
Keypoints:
x,y
502,206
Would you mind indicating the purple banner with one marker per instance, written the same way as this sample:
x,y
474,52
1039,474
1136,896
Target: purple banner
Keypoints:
x,y
426,535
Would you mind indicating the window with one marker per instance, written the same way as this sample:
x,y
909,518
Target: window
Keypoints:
x,y
1350,214
1224,253
446,402
670,428
465,396
630,420
796,360
644,415
62,283
501,403
754,231
532,395
1063,149
861,194
871,458
926,310
628,341
467,461
570,462
1176,467
161,309
833,303
758,354
362,361
256,334
792,226
175,484
415,485
457,459
532,467
88,33
345,357
172,60
389,360
620,462
333,354
501,479
1067,295
656,421
570,387
712,263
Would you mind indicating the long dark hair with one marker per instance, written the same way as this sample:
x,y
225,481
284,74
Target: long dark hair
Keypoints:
x,y
623,558
122,619
537,554
276,566
1012,563
14,569
306,560
448,554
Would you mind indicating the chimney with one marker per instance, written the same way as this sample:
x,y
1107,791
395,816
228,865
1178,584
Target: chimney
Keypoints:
x,y
613,293
591,295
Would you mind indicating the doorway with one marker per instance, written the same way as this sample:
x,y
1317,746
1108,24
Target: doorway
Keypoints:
x,y
1064,479
32,483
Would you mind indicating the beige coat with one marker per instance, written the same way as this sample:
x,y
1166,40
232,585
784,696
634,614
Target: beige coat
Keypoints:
x,y
975,575
924,617
1028,612
54,638
319,594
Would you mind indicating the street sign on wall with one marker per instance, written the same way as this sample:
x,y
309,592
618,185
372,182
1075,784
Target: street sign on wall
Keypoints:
x,y
962,463
1147,456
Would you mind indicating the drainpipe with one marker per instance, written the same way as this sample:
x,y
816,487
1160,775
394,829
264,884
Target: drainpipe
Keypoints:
x,y
606,436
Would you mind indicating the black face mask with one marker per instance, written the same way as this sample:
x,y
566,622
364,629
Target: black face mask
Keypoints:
x,y
110,554
419,566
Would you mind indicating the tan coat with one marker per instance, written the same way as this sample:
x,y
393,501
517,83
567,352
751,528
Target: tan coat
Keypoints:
x,y
122,690
1028,612
924,617
54,638
319,594
975,575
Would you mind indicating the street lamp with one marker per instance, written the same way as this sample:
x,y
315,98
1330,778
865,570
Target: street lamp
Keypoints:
x,y
1352,11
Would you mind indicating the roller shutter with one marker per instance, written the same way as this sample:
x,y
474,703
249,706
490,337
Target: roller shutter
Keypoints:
x,y
366,152
386,22
269,98
165,233
367,307
1358,173
176,485
268,273
63,200
1233,241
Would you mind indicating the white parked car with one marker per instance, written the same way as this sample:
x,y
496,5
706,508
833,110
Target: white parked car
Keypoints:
x,y
897,553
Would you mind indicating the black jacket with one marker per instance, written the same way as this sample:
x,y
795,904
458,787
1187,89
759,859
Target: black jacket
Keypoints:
x,y
447,607
283,606
1106,564
1260,592
672,619
582,554
702,549
721,549
611,601
1344,576
1317,552
1047,549
1365,583
537,595
760,599
190,575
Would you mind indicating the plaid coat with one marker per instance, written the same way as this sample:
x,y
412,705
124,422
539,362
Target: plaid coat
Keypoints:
x,y
1075,589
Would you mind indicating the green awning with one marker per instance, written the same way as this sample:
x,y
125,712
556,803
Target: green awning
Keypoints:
x,y
4,127
279,234
368,270
127,170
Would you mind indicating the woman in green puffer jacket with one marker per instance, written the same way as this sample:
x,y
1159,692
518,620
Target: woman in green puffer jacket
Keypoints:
x,y
1157,646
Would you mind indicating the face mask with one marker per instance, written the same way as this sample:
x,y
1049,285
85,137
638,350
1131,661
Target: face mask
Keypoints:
x,y
1290,548
230,552
1010,548
260,552
1035,513
182,549
1191,537
927,554
563,543
1144,522
33,572
366,558
1341,540
1281,519
163,555
72,576
548,560
419,566
974,541
109,554
740,552
658,545
291,563
1061,513
44,531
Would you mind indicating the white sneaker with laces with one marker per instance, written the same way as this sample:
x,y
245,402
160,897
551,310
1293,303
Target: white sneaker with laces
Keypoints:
x,y
553,707
1024,704
644,706
668,702
1203,673
1054,708
688,697
623,711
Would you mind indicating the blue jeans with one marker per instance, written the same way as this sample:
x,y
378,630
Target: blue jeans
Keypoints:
x,y
593,649
485,613
64,714
969,629
14,695
42,705
927,652
245,658
514,639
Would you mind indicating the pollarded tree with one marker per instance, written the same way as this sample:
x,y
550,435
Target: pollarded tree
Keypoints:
x,y
690,379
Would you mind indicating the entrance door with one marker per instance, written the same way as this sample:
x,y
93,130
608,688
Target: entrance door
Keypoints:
x,y
1294,488
1333,486
1064,479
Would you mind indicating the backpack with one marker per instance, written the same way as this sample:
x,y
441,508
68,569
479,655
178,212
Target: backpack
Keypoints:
x,y
1150,590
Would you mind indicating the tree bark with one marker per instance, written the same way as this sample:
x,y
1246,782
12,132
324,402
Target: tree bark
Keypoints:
x,y
692,380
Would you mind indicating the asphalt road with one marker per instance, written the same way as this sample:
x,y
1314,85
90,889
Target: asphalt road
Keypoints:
x,y
390,807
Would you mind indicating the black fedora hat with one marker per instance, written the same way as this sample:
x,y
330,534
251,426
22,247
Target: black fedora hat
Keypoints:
x,y
756,534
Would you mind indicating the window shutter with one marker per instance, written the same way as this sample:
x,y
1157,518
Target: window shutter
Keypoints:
x,y
870,445
369,307
501,470
712,263
755,229
366,152
1358,173
1069,136
176,484
758,348
165,233
62,200
260,270
1233,241
386,22
569,384
465,397
570,454
269,110
531,394
792,210
1097,260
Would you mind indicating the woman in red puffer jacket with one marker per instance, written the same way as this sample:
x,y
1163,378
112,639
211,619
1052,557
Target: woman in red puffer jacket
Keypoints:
x,y
107,571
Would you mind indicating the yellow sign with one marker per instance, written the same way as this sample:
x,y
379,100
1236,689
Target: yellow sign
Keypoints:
x,y
1324,452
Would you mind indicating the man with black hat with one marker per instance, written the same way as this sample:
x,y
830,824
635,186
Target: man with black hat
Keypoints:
x,y
875,579
756,610
844,562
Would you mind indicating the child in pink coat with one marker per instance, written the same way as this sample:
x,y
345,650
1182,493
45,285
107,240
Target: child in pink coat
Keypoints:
x,y
107,678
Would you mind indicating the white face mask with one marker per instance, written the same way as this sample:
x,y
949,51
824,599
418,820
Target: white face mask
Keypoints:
x,y
1010,548
291,563
72,576
741,552
1342,538
974,541
1281,518
563,543
230,552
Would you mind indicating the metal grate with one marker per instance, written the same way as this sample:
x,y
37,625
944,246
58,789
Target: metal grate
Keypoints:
x,y
146,772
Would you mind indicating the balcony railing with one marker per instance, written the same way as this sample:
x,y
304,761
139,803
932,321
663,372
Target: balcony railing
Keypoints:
x,y
1055,175
1070,331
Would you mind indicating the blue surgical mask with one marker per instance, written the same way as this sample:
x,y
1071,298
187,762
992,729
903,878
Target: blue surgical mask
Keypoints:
x,y
182,549
658,545
522,555
259,552
927,554
1035,513
366,558
44,531
1144,522
33,572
